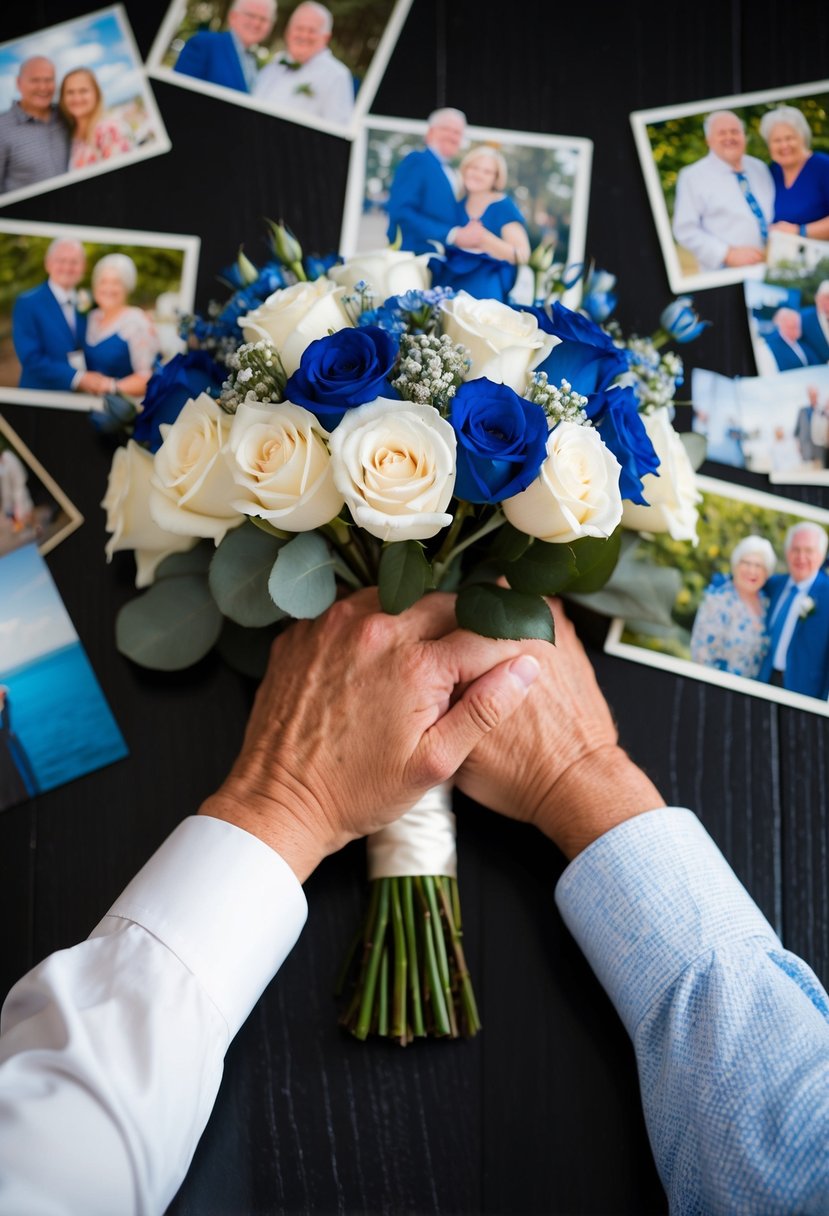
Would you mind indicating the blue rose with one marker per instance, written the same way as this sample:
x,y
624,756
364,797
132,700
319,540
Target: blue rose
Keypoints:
x,y
623,431
681,321
502,441
343,370
185,376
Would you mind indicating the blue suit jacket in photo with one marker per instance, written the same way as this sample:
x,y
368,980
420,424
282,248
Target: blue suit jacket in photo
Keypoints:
x,y
785,357
813,334
42,340
807,659
421,202
213,57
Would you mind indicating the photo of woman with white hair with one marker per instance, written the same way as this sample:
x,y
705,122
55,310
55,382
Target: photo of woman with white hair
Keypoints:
x,y
801,176
121,340
490,240
730,631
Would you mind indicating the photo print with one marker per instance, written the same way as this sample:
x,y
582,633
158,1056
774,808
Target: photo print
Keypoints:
x,y
788,311
33,508
725,175
88,311
315,64
747,608
55,724
411,178
74,102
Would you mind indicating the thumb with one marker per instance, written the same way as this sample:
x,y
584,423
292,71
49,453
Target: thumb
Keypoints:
x,y
485,704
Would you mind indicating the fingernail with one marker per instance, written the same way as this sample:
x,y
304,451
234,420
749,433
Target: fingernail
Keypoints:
x,y
525,669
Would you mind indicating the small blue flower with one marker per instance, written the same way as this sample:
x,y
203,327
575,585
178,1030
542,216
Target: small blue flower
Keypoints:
x,y
343,370
681,320
502,441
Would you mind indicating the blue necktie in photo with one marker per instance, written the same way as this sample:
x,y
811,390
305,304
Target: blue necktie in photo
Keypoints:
x,y
753,204
779,616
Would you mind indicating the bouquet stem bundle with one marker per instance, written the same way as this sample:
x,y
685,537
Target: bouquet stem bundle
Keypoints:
x,y
412,978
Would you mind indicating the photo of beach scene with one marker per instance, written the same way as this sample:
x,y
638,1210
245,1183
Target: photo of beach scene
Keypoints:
x,y
55,724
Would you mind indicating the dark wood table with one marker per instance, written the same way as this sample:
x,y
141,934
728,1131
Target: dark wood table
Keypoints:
x,y
541,1112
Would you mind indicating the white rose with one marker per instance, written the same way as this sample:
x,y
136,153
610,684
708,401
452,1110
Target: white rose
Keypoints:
x,y
293,317
504,343
389,272
192,487
126,503
672,492
394,463
576,492
281,460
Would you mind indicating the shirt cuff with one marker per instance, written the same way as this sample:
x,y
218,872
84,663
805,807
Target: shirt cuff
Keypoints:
x,y
647,899
225,904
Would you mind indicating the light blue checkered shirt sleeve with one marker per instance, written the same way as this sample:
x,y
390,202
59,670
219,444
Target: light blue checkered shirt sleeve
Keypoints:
x,y
731,1031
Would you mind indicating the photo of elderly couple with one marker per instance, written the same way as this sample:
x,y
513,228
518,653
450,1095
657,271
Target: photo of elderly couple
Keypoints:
x,y
748,607
788,310
723,180
84,314
73,101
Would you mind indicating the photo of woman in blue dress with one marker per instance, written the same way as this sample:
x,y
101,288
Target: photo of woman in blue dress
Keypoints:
x,y
121,340
730,631
801,176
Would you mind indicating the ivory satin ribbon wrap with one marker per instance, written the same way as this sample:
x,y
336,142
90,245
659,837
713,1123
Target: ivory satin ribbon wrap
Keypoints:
x,y
420,842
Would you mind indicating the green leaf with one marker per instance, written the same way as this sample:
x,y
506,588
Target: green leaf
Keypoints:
x,y
265,525
194,561
543,570
247,650
596,560
508,544
171,626
636,591
497,612
239,576
696,446
302,581
404,575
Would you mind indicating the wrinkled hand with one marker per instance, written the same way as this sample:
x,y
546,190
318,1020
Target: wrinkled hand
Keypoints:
x,y
744,255
557,763
355,719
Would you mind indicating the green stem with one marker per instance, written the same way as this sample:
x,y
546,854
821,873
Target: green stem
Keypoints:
x,y
439,1011
398,1028
451,536
418,1027
351,555
366,934
470,1005
440,567
383,1003
440,950
367,1002
660,338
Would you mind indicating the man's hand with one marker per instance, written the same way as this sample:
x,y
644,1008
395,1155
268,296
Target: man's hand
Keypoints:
x,y
355,719
94,382
557,762
470,235
744,255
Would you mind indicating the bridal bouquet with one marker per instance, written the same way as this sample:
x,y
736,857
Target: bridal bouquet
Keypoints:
x,y
334,426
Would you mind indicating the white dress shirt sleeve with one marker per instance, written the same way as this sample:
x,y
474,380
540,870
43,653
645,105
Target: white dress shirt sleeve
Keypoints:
x,y
111,1052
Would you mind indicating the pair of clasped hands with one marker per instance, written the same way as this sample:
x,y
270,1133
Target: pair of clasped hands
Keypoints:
x,y
521,727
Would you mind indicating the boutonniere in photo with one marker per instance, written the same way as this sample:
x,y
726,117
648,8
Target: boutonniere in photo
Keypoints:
x,y
807,607
83,301
306,90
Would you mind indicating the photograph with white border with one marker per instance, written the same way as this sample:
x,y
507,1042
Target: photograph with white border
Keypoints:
x,y
74,102
721,179
33,508
788,311
89,311
545,179
775,425
750,608
314,64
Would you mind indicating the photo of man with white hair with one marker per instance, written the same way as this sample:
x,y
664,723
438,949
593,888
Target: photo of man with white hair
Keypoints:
x,y
307,77
798,656
226,57
816,323
423,197
34,139
725,201
786,344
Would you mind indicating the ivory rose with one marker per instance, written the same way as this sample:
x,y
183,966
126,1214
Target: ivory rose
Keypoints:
x,y
192,487
672,492
126,503
394,463
389,272
504,343
281,460
576,492
294,316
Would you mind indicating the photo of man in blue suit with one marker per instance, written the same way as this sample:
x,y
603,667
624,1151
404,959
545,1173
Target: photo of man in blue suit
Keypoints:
x,y
787,344
48,330
423,200
816,323
226,58
798,657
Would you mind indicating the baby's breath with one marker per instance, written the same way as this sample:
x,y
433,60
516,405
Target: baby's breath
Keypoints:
x,y
562,404
255,374
430,369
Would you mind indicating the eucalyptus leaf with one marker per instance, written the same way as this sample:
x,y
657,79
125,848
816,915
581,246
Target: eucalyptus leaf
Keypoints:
x,y
194,561
544,569
636,590
239,574
265,525
247,650
498,612
696,446
404,575
171,626
596,560
302,581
